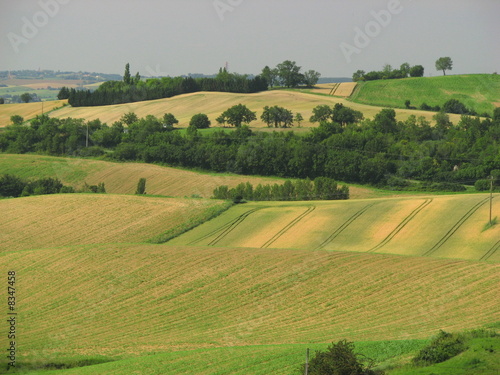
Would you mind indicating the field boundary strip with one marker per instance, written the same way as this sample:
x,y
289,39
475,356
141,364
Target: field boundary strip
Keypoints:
x,y
491,251
401,225
340,229
288,226
232,225
455,227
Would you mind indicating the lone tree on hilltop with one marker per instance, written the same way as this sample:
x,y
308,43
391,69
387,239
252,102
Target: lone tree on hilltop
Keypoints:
x,y
444,64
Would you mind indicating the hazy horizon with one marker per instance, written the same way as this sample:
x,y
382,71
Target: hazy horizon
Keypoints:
x,y
177,37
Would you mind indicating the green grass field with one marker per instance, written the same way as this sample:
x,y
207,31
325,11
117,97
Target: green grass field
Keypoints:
x,y
124,301
480,92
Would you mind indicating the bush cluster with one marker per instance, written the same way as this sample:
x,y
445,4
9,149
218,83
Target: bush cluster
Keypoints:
x,y
443,347
12,186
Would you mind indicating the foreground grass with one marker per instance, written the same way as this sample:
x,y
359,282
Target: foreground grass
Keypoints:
x,y
264,359
127,300
480,358
480,92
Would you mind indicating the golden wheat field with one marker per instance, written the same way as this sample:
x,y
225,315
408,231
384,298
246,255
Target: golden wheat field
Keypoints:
x,y
125,300
214,103
26,110
76,219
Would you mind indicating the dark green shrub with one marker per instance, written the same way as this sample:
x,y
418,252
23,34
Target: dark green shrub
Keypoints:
x,y
455,106
200,121
340,359
443,347
482,185
92,151
11,186
141,186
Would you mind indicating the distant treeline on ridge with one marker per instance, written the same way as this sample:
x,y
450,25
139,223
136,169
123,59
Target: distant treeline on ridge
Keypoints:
x,y
133,89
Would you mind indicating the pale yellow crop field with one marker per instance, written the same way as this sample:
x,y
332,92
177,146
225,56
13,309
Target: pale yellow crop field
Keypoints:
x,y
26,110
214,103
77,219
436,226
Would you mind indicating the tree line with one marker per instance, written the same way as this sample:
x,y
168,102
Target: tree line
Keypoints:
x,y
379,151
404,71
133,89
12,186
321,188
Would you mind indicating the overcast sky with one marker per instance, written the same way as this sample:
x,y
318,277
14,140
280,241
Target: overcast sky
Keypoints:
x,y
175,37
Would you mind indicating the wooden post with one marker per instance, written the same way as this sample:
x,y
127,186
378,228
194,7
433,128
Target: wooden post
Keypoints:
x,y
491,199
307,362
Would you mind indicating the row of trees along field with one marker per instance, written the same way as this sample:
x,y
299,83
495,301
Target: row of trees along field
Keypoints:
x,y
321,188
379,151
133,89
404,71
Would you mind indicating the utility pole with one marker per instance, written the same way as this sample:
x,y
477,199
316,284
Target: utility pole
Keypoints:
x,y
491,199
307,362
87,140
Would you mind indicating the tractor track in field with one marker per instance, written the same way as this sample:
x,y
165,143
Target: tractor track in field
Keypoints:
x,y
491,251
401,225
455,227
288,226
225,229
344,226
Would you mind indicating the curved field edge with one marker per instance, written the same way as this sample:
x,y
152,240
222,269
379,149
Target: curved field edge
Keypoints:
x,y
122,178
78,219
124,300
480,92
209,214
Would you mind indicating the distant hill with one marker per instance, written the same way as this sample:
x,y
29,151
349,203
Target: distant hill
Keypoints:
x,y
480,92
334,79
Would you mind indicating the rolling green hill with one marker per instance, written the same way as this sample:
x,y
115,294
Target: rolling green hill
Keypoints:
x,y
480,92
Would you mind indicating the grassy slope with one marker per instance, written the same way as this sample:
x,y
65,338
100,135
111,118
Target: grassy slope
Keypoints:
x,y
480,358
213,104
438,226
478,91
122,178
125,300
261,359
74,219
